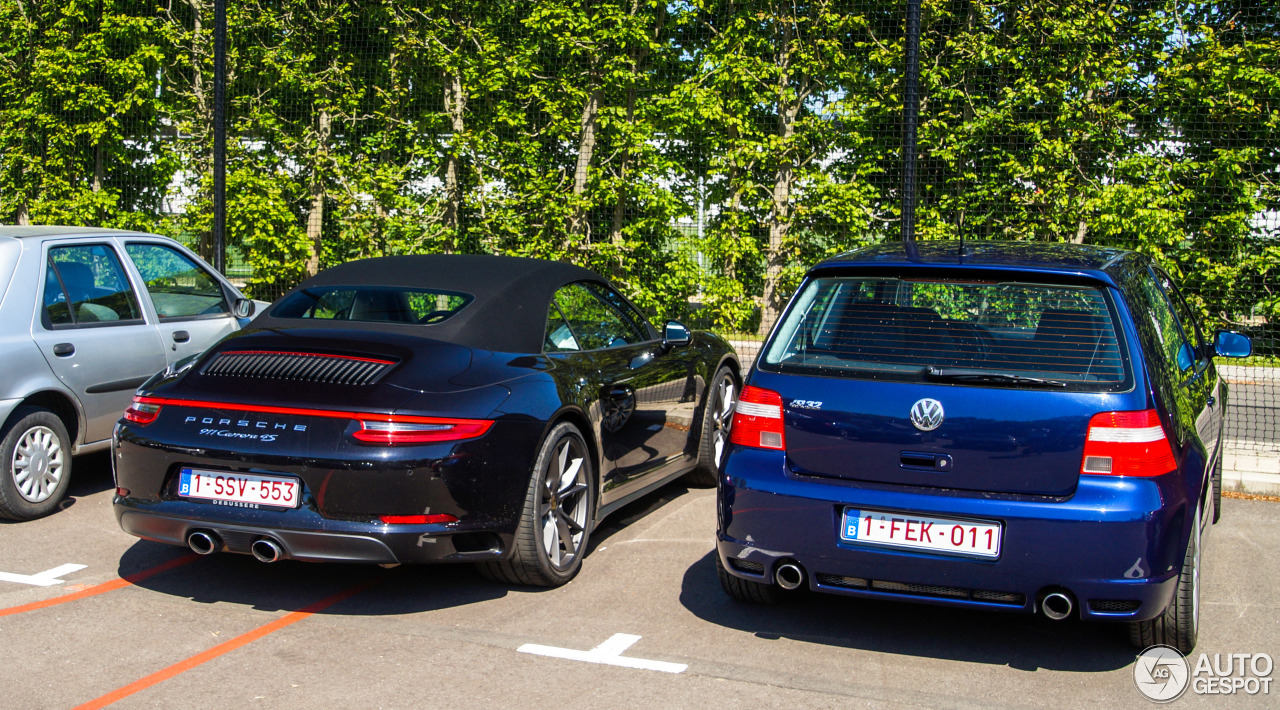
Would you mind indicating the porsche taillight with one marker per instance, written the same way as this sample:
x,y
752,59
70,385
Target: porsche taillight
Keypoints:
x,y
1127,444
396,430
757,419
143,411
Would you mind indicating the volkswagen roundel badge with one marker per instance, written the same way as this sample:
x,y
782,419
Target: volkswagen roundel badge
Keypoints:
x,y
927,414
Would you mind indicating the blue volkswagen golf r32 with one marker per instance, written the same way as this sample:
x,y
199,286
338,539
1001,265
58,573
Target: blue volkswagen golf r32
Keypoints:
x,y
1008,426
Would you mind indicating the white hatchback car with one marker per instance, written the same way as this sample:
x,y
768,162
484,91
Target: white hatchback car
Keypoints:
x,y
86,316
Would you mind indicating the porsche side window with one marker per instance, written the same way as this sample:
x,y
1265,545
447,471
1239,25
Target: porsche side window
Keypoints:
x,y
626,310
559,336
595,323
86,284
178,287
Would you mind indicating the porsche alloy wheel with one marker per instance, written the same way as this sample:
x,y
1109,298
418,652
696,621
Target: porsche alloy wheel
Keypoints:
x,y
36,465
555,525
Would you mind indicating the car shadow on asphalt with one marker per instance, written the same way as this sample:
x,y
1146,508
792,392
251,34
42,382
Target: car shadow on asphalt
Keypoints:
x,y
292,586
636,511
1018,641
289,585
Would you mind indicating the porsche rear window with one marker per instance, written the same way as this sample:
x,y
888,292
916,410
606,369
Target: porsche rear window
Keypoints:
x,y
372,304
972,332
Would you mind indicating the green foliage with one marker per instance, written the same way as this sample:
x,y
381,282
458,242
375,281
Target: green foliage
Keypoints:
x,y
81,113
587,131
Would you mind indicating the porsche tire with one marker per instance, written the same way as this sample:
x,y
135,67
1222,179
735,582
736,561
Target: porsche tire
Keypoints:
x,y
717,416
555,524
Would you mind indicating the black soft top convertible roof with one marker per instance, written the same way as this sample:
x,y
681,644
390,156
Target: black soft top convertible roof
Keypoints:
x,y
509,313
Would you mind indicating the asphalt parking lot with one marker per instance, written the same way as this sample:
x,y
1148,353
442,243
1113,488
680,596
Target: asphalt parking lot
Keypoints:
x,y
140,625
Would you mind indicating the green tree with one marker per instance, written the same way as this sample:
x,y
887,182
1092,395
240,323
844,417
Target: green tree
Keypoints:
x,y
82,139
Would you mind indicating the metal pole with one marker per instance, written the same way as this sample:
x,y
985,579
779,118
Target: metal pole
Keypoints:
x,y
910,115
219,134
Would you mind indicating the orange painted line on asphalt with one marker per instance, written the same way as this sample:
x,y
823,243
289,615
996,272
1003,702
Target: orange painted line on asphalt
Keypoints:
x,y
100,588
226,647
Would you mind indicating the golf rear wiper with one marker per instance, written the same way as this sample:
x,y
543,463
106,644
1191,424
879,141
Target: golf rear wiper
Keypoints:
x,y
943,374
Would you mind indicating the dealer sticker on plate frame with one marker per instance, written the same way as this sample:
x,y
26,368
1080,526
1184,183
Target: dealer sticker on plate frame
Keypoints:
x,y
976,538
242,490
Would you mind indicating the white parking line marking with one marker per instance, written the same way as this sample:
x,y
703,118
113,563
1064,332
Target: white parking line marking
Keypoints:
x,y
47,578
609,653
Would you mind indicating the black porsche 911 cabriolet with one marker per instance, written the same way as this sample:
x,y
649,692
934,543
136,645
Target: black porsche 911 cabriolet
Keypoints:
x,y
425,409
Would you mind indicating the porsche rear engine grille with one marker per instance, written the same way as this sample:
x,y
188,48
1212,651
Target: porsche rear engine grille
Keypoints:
x,y
298,367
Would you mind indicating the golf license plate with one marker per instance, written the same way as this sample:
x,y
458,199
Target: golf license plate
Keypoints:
x,y
918,532
239,489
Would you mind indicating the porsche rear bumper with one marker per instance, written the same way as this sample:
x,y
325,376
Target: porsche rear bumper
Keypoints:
x,y
309,537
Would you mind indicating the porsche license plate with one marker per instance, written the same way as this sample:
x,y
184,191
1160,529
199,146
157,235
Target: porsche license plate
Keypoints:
x,y
918,532
239,489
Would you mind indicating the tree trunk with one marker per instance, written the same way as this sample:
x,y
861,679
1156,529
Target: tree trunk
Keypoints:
x,y
586,147
455,103
1082,228
315,218
204,117
775,259
638,59
780,220
99,169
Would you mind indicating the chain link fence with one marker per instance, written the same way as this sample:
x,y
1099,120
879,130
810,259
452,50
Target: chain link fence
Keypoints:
x,y
702,153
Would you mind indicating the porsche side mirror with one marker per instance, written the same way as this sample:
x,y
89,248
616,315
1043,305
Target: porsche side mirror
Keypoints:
x,y
675,334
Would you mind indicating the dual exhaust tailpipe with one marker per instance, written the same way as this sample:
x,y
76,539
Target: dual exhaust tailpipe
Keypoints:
x,y
207,542
266,550
203,542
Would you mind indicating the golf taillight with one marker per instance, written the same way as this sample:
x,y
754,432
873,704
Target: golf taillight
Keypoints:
x,y
417,519
1127,444
393,431
142,411
757,420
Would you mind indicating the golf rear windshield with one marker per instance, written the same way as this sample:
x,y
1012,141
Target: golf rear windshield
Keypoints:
x,y
983,331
